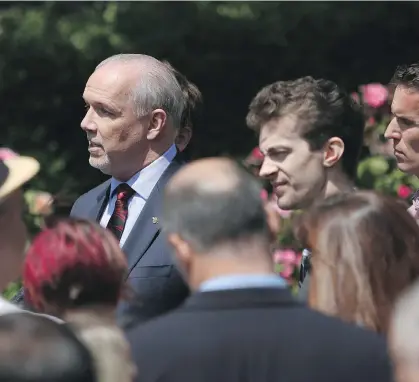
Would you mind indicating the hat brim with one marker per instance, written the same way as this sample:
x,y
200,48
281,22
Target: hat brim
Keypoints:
x,y
21,169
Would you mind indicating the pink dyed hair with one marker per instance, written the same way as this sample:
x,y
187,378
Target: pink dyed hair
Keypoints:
x,y
72,264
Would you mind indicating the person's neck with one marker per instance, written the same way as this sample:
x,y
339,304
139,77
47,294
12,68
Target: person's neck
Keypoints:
x,y
337,185
253,261
152,155
105,312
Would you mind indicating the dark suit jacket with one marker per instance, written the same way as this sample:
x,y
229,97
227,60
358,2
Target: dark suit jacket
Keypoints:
x,y
157,284
304,288
255,335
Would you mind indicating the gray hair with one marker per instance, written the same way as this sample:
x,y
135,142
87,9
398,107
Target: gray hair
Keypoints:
x,y
209,215
157,87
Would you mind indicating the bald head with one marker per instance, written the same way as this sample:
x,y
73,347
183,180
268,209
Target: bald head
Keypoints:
x,y
155,85
211,175
214,201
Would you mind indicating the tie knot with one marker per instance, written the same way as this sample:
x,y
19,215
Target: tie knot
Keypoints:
x,y
124,192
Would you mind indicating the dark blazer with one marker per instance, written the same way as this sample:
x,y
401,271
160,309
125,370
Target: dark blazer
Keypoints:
x,y
304,288
157,284
255,335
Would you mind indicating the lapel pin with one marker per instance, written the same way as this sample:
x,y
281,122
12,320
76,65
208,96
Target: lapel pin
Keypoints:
x,y
155,220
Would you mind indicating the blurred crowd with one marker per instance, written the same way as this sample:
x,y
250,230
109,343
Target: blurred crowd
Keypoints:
x,y
166,272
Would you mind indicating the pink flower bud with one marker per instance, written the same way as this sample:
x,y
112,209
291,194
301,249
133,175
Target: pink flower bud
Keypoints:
x,y
374,95
264,195
404,191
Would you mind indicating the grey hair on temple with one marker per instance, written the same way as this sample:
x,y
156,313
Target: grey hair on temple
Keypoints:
x,y
156,88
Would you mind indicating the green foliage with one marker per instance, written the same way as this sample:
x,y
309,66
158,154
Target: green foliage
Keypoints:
x,y
229,49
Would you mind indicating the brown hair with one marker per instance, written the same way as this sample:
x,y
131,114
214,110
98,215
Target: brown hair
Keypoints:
x,y
191,93
365,252
326,110
407,76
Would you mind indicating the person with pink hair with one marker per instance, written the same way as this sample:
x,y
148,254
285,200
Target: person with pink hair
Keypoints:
x,y
76,270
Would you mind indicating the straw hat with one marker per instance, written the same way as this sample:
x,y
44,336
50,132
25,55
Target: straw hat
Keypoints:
x,y
15,172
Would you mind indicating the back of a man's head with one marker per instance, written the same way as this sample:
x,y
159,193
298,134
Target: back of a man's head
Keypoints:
x,y
214,202
37,349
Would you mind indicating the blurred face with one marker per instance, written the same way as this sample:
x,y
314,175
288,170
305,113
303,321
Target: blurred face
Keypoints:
x,y
406,369
296,173
117,137
403,129
13,238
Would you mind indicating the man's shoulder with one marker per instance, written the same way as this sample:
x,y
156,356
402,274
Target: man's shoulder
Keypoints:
x,y
296,317
317,339
94,192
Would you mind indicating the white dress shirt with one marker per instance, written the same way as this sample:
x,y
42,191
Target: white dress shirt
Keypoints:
x,y
142,183
6,307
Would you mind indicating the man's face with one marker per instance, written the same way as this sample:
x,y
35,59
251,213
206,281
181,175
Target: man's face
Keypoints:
x,y
296,173
403,129
13,236
116,135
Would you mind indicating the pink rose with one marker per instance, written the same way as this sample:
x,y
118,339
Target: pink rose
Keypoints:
x,y
285,256
287,262
264,195
404,191
286,271
374,95
6,153
42,204
257,154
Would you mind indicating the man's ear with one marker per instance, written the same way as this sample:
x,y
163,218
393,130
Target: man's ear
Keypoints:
x,y
182,248
157,123
333,151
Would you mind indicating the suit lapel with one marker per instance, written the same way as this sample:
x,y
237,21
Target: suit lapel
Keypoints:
x,y
102,198
147,227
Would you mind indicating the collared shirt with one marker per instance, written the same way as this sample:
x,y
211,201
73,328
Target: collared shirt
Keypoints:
x,y
142,183
243,282
7,307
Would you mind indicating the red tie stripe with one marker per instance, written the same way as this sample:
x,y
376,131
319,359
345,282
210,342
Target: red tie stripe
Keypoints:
x,y
120,214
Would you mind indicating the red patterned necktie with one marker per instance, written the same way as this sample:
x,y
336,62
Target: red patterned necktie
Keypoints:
x,y
119,217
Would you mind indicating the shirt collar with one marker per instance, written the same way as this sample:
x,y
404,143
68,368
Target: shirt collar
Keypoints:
x,y
243,281
144,180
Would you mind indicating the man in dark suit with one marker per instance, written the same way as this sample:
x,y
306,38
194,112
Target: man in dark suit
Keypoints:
x,y
135,109
157,285
310,134
241,323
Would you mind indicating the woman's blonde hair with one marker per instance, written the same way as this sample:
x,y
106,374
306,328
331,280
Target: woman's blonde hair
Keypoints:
x,y
365,252
107,344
